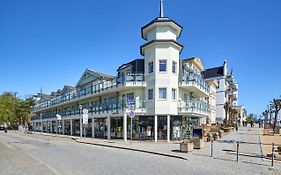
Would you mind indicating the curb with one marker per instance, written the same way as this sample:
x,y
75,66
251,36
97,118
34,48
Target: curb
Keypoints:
x,y
132,149
113,146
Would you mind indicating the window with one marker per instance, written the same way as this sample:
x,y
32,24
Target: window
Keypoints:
x,y
174,66
150,67
162,93
174,94
162,65
150,94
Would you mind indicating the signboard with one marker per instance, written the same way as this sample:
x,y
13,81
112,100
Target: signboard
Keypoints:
x,y
58,117
132,114
85,118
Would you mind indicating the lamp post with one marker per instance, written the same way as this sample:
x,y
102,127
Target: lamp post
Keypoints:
x,y
80,107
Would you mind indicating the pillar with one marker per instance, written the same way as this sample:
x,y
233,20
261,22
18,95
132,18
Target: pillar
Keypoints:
x,y
81,127
51,126
41,126
125,126
71,127
57,126
62,126
155,128
108,127
168,128
93,127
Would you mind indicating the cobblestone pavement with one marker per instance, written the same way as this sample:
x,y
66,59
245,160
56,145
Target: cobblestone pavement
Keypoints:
x,y
54,155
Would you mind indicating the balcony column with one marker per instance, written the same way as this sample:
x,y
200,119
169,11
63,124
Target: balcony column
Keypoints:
x,y
57,126
93,127
62,127
81,127
168,128
155,128
71,127
41,126
51,126
108,127
125,126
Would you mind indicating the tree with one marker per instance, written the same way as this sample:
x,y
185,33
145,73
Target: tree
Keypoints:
x,y
265,114
226,110
13,110
276,106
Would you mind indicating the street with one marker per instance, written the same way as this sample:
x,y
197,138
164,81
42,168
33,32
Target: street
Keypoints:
x,y
37,154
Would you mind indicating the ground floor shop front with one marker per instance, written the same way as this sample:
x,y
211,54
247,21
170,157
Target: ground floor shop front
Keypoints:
x,y
141,127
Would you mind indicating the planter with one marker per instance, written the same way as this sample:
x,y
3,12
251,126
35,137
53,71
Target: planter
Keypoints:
x,y
227,129
186,147
198,143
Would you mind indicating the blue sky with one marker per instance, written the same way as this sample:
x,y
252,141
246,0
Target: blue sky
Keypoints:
x,y
47,44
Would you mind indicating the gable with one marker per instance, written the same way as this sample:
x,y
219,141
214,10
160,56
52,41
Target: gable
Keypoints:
x,y
91,76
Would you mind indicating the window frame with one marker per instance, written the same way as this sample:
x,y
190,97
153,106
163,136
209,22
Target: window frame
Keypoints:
x,y
174,93
162,60
164,95
148,94
150,67
174,67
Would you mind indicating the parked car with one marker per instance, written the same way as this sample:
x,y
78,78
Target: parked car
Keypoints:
x,y
2,127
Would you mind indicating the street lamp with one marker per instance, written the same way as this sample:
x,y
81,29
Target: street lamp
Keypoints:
x,y
80,107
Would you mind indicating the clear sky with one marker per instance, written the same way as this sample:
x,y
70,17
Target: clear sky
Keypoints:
x,y
47,44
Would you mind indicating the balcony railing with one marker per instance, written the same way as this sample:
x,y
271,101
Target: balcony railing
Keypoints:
x,y
196,80
194,106
95,108
90,90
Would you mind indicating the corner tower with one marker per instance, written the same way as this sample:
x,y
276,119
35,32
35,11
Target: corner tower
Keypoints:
x,y
161,53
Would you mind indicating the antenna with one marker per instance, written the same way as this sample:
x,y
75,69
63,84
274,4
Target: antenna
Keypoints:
x,y
161,9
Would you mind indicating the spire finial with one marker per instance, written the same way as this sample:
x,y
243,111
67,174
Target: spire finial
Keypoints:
x,y
161,9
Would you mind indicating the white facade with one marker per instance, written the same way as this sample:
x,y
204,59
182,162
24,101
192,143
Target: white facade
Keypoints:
x,y
167,94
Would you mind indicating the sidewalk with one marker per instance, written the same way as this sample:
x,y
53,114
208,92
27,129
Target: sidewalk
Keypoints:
x,y
224,150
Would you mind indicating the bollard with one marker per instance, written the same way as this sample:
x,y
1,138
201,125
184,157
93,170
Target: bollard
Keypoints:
x,y
212,148
272,157
237,153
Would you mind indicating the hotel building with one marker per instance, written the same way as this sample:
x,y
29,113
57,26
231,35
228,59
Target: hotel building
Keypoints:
x,y
167,94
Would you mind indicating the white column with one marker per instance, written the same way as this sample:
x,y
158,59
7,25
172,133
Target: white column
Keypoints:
x,y
155,128
168,128
41,126
51,126
81,128
108,127
93,127
62,126
125,126
71,127
57,126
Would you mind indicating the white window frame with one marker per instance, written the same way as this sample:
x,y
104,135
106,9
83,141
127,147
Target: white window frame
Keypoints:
x,y
174,94
149,67
174,66
149,90
164,97
165,65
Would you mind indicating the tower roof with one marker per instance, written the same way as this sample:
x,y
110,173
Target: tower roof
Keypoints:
x,y
161,21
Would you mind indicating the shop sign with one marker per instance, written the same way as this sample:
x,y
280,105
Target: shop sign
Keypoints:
x,y
85,119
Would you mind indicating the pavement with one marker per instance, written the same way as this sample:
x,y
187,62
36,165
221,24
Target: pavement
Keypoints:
x,y
57,154
250,148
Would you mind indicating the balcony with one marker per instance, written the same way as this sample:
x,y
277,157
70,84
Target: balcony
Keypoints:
x,y
127,81
96,109
194,108
195,84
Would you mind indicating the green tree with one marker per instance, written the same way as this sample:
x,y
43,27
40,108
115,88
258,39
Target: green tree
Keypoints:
x,y
276,106
13,110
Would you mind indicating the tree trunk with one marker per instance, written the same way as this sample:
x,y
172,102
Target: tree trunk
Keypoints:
x,y
275,122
